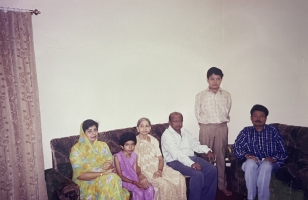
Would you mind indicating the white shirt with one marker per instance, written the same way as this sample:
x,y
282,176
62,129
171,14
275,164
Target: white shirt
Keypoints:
x,y
180,147
212,107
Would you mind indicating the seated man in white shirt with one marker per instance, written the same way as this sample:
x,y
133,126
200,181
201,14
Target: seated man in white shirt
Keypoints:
x,y
178,147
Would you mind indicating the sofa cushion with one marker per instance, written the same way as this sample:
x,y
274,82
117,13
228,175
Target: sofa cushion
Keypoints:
x,y
303,141
112,138
303,174
289,174
295,141
302,163
65,169
293,174
60,149
280,191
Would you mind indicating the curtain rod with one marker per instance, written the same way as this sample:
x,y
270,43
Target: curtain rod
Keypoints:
x,y
35,11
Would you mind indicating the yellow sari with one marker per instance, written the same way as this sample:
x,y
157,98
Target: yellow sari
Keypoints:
x,y
87,157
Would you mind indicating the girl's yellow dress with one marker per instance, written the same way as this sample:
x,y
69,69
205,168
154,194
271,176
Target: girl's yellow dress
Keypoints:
x,y
87,157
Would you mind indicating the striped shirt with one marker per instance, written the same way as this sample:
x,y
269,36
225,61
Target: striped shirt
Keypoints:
x,y
266,143
212,108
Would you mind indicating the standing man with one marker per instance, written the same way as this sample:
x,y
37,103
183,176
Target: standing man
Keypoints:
x,y
262,146
212,107
178,147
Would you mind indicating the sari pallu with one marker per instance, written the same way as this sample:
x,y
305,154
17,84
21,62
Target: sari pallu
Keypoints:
x,y
172,183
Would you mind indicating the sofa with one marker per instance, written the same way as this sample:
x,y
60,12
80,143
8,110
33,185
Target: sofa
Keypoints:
x,y
291,181
59,178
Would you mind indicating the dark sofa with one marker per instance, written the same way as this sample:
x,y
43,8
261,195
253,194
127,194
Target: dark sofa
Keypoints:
x,y
292,177
59,178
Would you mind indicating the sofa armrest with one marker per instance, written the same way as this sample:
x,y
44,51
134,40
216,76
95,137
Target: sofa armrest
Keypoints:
x,y
60,187
230,155
238,176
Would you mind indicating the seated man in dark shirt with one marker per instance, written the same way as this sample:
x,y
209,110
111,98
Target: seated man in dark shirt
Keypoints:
x,y
262,146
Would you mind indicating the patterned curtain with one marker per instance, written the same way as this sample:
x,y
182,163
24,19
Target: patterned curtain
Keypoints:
x,y
21,150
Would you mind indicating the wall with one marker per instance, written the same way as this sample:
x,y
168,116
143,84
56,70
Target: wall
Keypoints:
x,y
117,61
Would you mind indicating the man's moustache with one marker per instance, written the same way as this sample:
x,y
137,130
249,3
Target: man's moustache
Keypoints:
x,y
258,121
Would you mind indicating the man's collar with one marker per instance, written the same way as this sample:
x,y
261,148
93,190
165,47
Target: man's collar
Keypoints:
x,y
172,130
261,129
208,90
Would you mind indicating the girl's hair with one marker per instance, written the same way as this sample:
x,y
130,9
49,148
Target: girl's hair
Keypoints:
x,y
88,123
143,119
127,136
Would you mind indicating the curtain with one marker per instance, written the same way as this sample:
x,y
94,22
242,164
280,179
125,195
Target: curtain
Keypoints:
x,y
21,150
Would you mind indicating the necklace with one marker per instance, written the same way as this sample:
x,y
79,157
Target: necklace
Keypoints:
x,y
147,138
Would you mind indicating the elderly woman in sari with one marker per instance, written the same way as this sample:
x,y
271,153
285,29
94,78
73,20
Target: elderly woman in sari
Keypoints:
x,y
168,183
93,168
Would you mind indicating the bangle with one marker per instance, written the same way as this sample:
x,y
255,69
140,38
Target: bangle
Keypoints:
x,y
160,170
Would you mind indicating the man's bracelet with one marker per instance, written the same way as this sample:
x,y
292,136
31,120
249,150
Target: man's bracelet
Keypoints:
x,y
160,170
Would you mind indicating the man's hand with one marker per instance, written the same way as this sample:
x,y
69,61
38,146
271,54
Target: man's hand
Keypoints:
x,y
251,157
196,166
272,160
212,157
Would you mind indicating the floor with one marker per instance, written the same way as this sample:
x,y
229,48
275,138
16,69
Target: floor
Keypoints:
x,y
235,196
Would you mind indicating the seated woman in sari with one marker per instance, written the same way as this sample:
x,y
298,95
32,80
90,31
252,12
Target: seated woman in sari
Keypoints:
x,y
168,183
93,167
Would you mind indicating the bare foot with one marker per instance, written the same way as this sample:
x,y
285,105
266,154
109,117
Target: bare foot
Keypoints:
x,y
226,192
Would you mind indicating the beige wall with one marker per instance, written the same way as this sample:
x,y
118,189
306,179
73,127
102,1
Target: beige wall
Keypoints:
x,y
117,61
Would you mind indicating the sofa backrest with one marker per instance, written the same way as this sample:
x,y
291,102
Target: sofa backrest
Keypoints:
x,y
61,147
295,141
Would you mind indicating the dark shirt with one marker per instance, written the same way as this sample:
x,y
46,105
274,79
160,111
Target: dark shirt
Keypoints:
x,y
266,143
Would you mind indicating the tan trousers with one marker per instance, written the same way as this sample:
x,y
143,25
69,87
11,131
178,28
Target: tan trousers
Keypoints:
x,y
215,136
